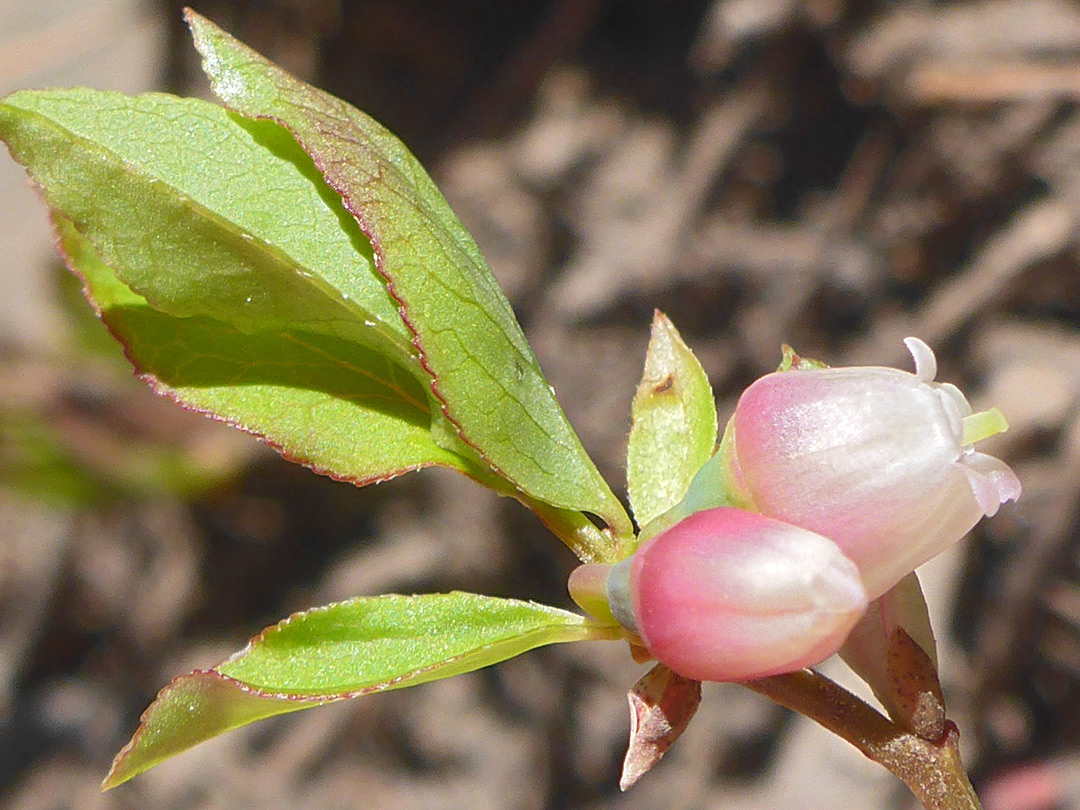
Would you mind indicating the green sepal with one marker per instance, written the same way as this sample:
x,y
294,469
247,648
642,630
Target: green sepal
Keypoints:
x,y
714,485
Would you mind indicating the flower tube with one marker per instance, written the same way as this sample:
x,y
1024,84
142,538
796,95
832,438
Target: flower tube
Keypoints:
x,y
728,595
879,460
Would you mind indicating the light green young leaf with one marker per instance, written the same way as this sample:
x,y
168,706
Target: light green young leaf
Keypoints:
x,y
484,372
202,212
338,407
205,215
344,650
674,424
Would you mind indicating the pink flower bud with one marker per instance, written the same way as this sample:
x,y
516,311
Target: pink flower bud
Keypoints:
x,y
730,595
879,460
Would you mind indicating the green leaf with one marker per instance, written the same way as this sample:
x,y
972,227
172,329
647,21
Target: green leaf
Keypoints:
x,y
202,212
674,424
343,410
344,650
484,371
331,404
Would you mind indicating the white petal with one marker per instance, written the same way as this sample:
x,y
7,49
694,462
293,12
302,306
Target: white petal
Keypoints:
x,y
956,408
925,362
991,479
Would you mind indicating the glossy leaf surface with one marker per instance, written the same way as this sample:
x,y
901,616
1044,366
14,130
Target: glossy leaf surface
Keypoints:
x,y
344,650
482,368
202,212
331,404
232,274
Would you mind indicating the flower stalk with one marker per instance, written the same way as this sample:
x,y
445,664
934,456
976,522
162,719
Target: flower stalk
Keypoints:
x,y
932,769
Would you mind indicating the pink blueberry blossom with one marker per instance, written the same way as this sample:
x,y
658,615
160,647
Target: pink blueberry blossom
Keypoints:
x,y
879,460
730,595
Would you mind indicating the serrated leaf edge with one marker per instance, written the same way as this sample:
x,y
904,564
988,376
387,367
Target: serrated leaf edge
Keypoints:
x,y
619,523
591,630
166,391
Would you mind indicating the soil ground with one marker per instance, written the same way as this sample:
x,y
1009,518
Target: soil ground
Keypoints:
x,y
833,175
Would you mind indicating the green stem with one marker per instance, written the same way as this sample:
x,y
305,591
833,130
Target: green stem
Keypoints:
x,y
930,768
580,534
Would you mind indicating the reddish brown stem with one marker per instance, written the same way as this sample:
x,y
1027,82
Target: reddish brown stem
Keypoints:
x,y
930,768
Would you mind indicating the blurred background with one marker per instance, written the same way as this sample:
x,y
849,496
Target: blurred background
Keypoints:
x,y
835,174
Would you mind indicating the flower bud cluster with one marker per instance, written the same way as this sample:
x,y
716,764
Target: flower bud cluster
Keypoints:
x,y
846,479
